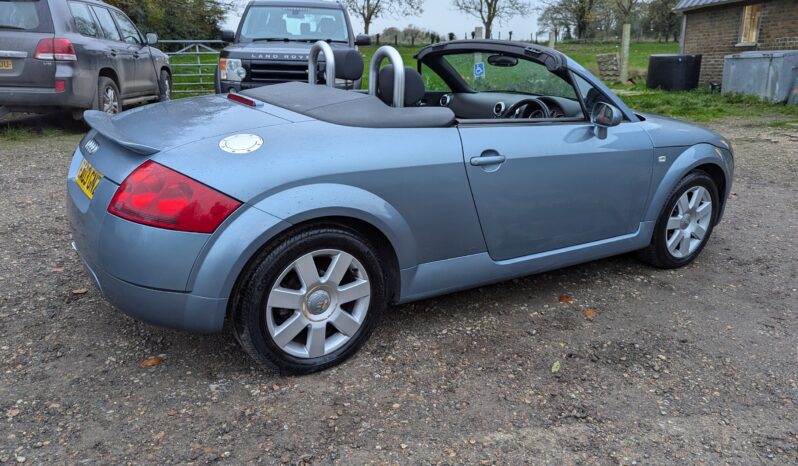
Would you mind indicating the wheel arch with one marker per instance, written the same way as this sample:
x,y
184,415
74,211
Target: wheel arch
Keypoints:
x,y
703,157
111,74
229,252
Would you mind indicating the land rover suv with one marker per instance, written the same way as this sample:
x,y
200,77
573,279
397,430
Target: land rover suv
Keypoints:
x,y
274,38
76,55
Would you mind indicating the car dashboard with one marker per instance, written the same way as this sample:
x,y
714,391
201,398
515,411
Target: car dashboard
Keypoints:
x,y
486,105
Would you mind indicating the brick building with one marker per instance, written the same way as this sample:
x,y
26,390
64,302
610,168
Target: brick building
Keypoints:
x,y
716,28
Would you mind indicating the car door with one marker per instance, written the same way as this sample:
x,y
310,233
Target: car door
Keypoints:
x,y
543,186
117,51
145,81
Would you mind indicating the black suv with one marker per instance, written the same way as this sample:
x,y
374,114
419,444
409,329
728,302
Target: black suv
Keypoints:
x,y
59,54
274,38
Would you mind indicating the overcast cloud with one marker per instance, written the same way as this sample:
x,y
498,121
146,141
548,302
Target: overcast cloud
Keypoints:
x,y
438,16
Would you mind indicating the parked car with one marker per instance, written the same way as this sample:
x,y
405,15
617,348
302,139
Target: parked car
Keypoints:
x,y
76,55
273,39
299,211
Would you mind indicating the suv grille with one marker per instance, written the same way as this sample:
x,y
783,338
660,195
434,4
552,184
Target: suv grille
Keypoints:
x,y
277,72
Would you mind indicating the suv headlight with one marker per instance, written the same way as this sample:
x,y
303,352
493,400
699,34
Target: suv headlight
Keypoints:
x,y
231,69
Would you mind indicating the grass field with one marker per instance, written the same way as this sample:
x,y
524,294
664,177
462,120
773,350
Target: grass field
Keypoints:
x,y
701,106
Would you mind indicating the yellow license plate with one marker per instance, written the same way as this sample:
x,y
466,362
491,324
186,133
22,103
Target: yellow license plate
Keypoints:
x,y
6,65
88,178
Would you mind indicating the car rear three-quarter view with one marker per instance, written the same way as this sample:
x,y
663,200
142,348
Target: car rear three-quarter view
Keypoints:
x,y
298,212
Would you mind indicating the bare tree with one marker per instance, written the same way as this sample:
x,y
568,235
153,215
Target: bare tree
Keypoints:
x,y
554,19
579,12
369,10
490,11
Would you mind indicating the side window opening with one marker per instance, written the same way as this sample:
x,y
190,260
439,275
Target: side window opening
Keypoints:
x,y
130,33
107,24
84,20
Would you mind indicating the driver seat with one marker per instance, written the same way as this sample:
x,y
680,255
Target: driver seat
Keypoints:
x,y
414,86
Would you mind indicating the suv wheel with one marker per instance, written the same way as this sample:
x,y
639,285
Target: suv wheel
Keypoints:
x,y
108,99
310,301
165,88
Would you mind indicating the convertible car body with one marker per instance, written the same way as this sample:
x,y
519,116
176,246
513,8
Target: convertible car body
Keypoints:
x,y
299,211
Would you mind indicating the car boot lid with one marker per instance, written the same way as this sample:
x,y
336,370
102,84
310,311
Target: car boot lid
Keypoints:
x,y
155,128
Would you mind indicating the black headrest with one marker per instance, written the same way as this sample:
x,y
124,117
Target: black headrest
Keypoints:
x,y
348,64
414,86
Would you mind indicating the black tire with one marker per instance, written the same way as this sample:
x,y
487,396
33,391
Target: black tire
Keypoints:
x,y
104,86
657,253
165,87
217,82
250,299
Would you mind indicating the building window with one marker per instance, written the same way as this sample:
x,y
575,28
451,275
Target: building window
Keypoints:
x,y
749,33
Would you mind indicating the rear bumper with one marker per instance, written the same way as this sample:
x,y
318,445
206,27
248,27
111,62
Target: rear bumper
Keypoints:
x,y
183,311
77,95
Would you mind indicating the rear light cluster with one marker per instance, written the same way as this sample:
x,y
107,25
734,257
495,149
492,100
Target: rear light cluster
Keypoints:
x,y
160,197
241,99
55,50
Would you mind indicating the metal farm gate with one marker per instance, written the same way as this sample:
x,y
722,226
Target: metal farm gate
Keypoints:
x,y
193,65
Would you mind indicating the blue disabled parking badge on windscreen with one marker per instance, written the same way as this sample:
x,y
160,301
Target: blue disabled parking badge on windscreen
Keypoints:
x,y
479,70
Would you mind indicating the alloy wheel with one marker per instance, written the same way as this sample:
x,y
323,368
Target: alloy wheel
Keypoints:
x,y
318,303
689,222
110,101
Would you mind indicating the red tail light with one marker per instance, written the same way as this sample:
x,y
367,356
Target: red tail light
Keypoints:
x,y
241,99
55,50
160,197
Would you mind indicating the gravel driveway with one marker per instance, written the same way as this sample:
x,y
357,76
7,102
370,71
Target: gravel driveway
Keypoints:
x,y
690,366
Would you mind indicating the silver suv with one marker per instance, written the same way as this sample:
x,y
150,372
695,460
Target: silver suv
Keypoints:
x,y
76,55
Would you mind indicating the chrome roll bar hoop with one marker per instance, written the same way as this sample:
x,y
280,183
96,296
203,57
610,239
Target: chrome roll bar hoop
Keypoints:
x,y
313,63
398,78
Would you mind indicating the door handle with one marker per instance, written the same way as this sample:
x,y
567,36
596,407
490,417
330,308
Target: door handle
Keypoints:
x,y
487,160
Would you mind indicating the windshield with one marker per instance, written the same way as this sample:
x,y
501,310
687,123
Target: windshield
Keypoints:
x,y
23,15
295,24
523,76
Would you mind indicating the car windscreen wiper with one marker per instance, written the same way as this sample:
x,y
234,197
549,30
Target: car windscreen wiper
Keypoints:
x,y
17,28
270,39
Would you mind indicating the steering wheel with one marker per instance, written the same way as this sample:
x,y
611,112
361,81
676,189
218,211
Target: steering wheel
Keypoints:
x,y
530,103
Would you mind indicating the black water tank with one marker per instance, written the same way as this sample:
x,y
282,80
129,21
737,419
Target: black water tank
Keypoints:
x,y
673,72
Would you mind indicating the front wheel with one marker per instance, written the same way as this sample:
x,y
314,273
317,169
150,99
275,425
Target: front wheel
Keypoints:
x,y
686,223
165,87
310,301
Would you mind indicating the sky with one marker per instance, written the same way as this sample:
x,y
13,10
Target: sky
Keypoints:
x,y
438,16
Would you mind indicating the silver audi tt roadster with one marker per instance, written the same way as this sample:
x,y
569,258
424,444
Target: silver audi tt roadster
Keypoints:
x,y
300,211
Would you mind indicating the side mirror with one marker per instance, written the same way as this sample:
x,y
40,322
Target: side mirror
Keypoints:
x,y
362,40
152,38
605,115
228,35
